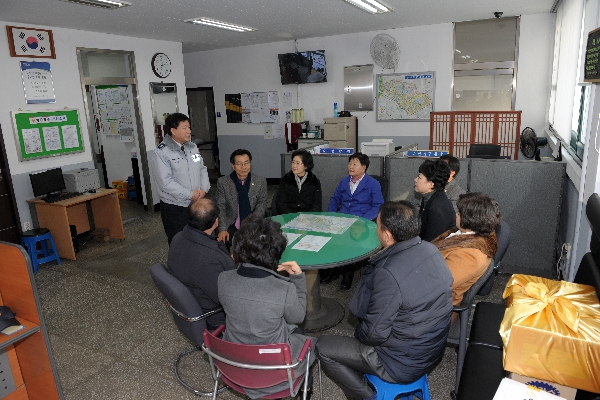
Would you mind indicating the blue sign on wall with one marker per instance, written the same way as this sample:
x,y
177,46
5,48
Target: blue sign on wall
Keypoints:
x,y
426,153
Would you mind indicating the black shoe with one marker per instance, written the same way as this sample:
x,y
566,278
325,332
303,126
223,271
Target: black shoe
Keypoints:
x,y
346,283
308,393
328,276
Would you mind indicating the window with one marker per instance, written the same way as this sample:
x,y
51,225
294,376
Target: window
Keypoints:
x,y
484,64
569,99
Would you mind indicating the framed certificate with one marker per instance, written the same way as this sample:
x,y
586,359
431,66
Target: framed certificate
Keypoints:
x,y
30,42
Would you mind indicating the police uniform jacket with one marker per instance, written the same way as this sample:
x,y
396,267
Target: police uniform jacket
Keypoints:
x,y
177,172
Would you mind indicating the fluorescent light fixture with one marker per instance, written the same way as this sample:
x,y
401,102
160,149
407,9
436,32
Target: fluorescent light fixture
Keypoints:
x,y
219,24
370,6
106,4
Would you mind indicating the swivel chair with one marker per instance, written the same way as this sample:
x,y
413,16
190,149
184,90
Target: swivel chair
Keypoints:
x,y
485,149
459,328
503,235
183,304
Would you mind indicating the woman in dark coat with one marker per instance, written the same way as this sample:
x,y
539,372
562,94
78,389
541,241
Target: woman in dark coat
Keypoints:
x,y
437,213
300,189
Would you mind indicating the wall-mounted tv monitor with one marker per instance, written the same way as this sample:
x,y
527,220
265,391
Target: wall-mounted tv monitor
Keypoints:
x,y
303,67
47,182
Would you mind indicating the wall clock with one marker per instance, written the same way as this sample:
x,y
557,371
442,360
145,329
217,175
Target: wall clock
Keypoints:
x,y
161,65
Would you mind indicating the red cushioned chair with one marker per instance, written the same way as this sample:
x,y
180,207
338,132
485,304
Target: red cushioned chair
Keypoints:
x,y
242,366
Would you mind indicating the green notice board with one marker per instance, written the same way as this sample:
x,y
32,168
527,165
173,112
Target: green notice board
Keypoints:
x,y
592,57
47,133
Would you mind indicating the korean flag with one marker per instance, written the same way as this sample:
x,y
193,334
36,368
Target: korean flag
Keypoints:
x,y
32,42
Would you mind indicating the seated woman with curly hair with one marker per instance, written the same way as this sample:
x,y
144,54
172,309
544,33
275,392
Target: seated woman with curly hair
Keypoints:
x,y
262,306
436,211
469,249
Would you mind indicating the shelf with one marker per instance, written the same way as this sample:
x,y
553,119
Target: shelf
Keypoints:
x,y
30,329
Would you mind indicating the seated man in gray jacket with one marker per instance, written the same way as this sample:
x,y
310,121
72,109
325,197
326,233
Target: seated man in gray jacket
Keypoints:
x,y
197,259
238,195
403,304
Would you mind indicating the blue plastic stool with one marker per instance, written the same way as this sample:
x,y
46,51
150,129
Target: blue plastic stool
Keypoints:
x,y
389,391
30,239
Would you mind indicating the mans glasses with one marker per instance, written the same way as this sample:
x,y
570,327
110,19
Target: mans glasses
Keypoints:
x,y
242,164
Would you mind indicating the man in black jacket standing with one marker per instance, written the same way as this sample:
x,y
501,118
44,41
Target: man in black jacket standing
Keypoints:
x,y
196,258
403,303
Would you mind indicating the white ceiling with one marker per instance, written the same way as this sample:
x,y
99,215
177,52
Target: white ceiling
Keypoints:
x,y
275,20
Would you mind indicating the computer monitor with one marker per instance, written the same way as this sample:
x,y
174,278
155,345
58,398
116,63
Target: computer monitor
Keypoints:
x,y
46,182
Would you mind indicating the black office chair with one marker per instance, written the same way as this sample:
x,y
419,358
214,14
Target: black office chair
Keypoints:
x,y
503,235
458,329
183,304
383,182
485,149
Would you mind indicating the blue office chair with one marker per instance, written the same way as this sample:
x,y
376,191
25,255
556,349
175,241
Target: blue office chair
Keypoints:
x,y
390,391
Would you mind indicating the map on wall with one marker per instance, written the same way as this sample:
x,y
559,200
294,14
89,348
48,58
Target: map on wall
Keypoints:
x,y
405,97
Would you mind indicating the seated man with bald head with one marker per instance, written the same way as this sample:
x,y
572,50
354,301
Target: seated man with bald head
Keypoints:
x,y
196,258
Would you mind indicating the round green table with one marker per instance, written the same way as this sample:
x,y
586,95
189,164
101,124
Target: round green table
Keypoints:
x,y
358,242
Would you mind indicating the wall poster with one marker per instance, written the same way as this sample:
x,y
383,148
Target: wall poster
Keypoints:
x,y
405,97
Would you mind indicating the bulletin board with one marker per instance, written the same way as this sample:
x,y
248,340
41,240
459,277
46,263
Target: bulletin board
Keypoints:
x,y
47,133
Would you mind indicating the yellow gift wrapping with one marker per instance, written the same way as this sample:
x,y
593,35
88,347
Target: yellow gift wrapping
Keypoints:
x,y
551,331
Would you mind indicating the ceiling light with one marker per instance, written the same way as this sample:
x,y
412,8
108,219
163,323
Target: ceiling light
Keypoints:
x,y
370,6
219,24
107,4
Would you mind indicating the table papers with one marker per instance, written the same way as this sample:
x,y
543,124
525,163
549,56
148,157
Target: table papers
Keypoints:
x,y
320,223
291,237
311,243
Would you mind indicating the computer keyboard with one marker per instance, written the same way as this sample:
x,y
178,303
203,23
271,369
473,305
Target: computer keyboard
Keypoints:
x,y
60,196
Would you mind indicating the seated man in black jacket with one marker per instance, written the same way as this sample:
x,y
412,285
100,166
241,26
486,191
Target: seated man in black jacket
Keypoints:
x,y
403,303
196,258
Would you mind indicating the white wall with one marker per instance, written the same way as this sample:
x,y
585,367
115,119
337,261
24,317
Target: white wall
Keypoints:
x,y
67,87
423,48
534,76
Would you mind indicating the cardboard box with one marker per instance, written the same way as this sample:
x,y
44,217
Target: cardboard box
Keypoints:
x,y
551,331
121,194
513,390
119,184
559,390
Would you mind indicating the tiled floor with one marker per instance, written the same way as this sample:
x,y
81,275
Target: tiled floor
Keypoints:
x,y
113,337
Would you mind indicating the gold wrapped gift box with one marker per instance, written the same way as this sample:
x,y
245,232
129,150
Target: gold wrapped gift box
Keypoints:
x,y
551,331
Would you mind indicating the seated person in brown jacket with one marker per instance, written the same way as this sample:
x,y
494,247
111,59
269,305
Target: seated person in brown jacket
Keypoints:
x,y
469,249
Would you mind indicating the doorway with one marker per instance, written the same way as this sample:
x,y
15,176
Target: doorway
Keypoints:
x,y
114,125
10,230
201,110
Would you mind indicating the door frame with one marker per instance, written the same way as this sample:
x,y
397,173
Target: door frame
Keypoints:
x,y
143,155
8,176
217,160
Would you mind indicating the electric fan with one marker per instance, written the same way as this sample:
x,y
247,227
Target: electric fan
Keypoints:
x,y
385,51
530,144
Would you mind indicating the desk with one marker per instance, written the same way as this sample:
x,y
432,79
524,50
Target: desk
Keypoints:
x,y
358,242
58,216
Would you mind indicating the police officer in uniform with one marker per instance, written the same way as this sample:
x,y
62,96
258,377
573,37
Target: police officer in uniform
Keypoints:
x,y
180,174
